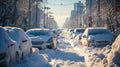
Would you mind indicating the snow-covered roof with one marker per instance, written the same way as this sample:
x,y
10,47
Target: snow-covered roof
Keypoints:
x,y
96,28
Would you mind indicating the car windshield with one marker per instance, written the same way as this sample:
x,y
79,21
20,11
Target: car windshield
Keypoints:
x,y
71,30
39,32
80,30
98,31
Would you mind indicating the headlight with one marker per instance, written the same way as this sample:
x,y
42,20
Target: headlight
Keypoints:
x,y
91,39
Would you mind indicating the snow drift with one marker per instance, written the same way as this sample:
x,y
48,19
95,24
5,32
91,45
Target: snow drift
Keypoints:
x,y
114,55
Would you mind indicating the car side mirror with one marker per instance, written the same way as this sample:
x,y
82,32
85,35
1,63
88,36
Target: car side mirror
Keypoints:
x,y
84,36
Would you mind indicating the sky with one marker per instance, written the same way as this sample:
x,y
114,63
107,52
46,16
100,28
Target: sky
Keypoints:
x,y
61,9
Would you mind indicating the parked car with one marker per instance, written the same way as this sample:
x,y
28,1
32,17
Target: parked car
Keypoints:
x,y
78,31
97,36
23,42
42,38
8,49
4,56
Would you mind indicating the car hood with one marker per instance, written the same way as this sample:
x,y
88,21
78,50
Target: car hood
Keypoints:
x,y
103,37
40,38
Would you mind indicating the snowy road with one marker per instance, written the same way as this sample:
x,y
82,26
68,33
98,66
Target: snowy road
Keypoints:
x,y
64,56
68,54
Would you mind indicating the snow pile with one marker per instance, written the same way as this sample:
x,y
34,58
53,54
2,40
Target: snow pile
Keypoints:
x,y
94,56
114,55
58,58
104,57
33,60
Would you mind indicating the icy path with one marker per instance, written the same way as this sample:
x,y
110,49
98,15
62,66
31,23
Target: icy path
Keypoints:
x,y
64,56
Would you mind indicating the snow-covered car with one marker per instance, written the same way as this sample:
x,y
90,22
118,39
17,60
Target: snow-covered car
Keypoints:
x,y
8,50
22,40
97,36
4,56
42,38
78,31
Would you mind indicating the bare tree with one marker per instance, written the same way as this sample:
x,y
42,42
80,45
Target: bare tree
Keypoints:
x,y
107,13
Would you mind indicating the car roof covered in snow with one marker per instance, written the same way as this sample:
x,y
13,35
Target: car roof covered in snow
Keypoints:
x,y
38,31
96,28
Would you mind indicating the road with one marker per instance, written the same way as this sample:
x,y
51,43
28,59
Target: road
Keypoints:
x,y
68,54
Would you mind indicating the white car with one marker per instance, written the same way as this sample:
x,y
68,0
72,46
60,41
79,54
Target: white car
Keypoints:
x,y
42,38
8,50
97,36
22,40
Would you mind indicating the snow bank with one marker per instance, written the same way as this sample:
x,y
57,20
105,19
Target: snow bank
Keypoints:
x,y
33,60
94,56
114,55
58,58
